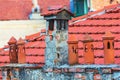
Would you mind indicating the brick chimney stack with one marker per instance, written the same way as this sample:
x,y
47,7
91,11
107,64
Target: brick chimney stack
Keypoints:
x,y
108,41
13,50
88,49
21,51
72,50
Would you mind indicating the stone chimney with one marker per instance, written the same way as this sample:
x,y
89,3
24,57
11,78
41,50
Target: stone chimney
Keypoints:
x,y
13,50
88,49
108,43
21,51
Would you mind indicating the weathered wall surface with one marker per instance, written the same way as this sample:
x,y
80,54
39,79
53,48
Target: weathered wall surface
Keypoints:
x,y
57,49
19,28
63,74
99,4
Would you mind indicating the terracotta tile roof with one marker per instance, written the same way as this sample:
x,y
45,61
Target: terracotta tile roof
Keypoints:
x,y
96,25
87,38
15,9
32,36
20,9
52,5
35,44
98,12
72,38
54,12
35,51
37,36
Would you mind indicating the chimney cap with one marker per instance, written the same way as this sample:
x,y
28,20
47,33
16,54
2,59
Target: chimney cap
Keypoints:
x,y
108,35
12,40
72,39
20,41
87,38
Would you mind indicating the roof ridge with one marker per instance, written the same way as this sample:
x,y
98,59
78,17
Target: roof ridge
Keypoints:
x,y
89,15
94,13
111,6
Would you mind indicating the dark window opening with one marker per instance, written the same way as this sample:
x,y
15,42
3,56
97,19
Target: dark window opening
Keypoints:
x,y
92,47
58,55
62,24
8,74
51,25
85,49
65,24
35,10
108,45
59,25
113,44
74,49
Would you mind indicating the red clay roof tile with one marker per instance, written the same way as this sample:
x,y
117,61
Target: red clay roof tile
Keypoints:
x,y
99,60
45,4
32,36
15,10
20,9
87,38
55,7
54,12
81,61
35,51
35,44
35,59
96,26
72,38
111,6
117,60
4,59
